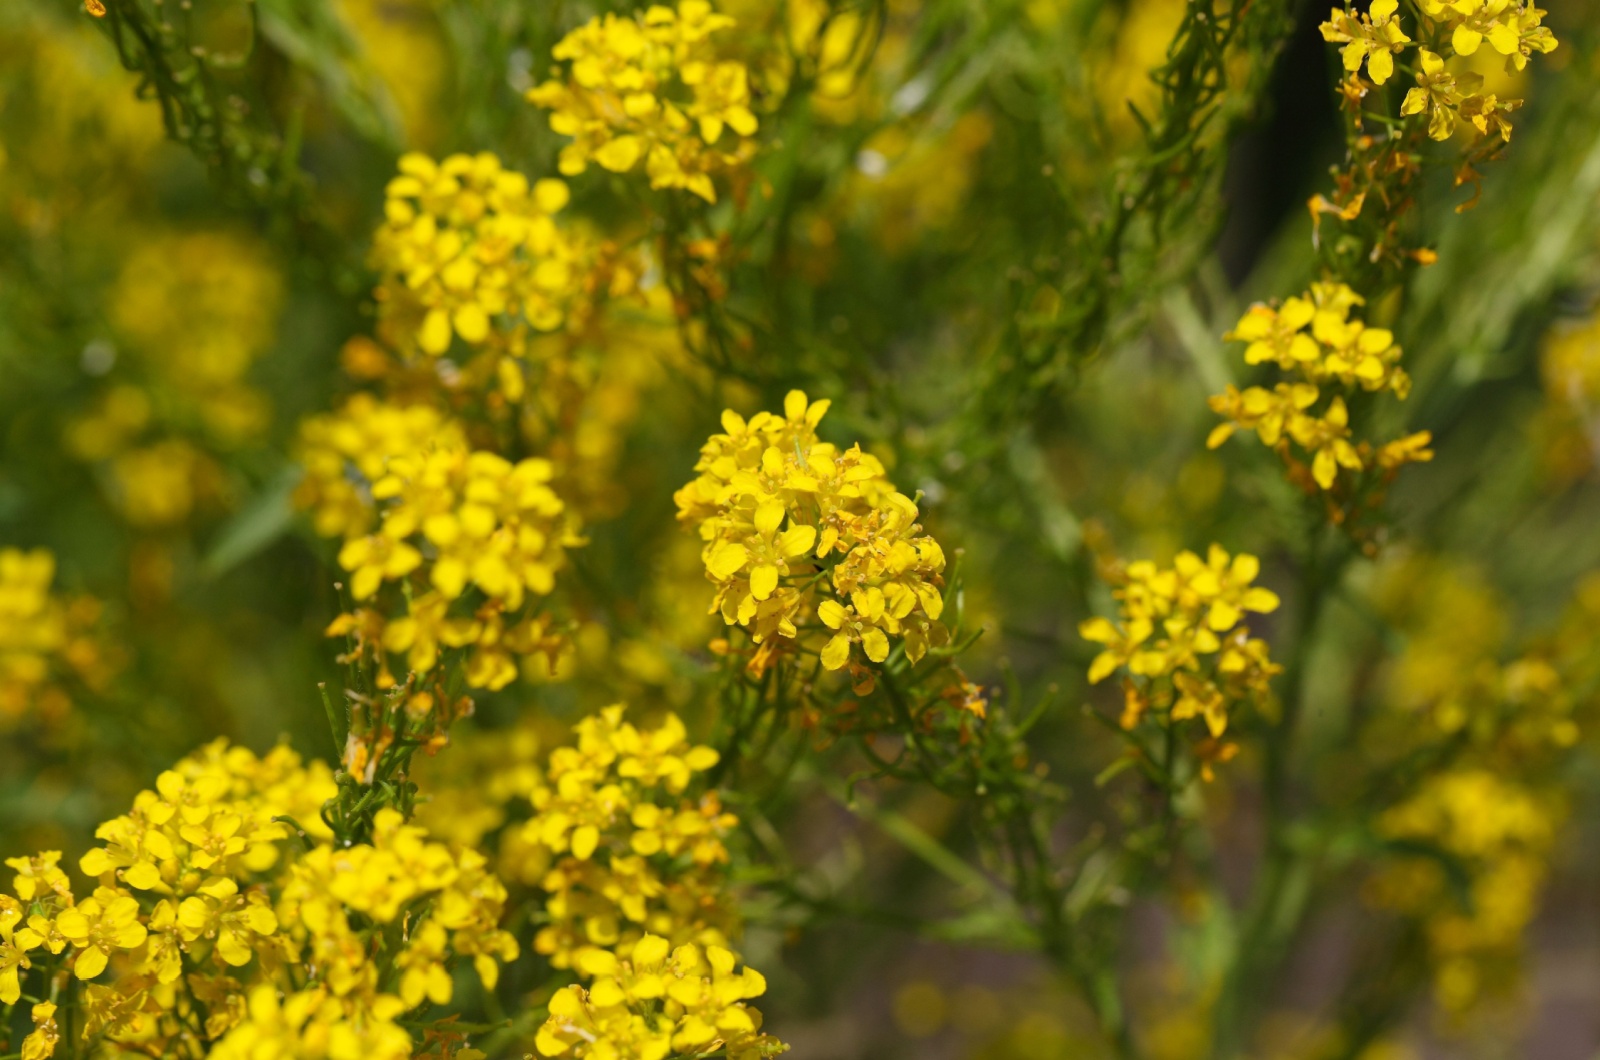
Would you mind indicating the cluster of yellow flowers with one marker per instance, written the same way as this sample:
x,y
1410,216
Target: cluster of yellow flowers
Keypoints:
x,y
194,311
1471,843
344,453
466,242
659,866
802,537
652,87
637,870
47,641
653,1004
633,868
1570,417
1496,832
1374,37
415,503
1450,675
233,929
200,308
1181,636
1314,336
1451,28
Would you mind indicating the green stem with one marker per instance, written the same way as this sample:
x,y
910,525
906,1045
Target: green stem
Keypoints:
x,y
1282,895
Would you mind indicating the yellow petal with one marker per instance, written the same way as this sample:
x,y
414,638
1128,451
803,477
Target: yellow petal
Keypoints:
x,y
726,560
837,652
1380,67
434,337
1260,600
471,322
650,950
794,405
90,963
769,517
1503,38
620,154
1324,468
763,580
875,644
797,541
1103,666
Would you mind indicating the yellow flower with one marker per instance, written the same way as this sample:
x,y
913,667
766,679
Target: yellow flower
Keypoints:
x,y
652,1003
1375,37
1267,412
313,1023
346,451
425,627
1327,438
1487,114
198,309
422,963
40,1044
374,559
1438,93
233,922
1277,335
857,623
661,756
39,875
1413,448
611,805
99,926
45,639
14,947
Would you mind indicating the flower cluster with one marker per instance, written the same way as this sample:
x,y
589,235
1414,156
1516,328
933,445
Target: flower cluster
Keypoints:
x,y
803,537
191,312
1514,30
416,504
47,642
632,868
1498,834
1314,337
345,452
1181,637
619,848
199,308
225,938
466,242
1382,169
1448,95
1374,38
629,854
656,1003
652,88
